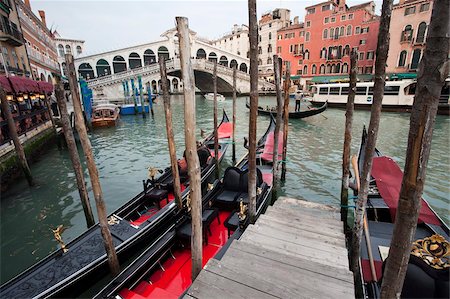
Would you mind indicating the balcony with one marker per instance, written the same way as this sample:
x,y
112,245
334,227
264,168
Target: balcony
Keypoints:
x,y
11,35
42,59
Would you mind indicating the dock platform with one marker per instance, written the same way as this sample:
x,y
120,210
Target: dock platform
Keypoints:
x,y
295,250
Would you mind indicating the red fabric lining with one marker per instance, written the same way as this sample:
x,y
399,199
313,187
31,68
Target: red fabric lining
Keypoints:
x,y
389,177
367,273
267,154
225,130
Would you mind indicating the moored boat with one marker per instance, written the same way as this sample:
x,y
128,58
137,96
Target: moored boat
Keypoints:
x,y
104,114
428,269
164,269
210,96
292,114
146,216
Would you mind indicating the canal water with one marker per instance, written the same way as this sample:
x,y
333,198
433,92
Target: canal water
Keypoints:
x,y
124,153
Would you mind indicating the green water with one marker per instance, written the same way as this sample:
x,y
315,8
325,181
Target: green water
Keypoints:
x,y
124,153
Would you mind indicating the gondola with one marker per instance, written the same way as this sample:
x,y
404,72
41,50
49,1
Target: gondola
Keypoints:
x,y
297,114
144,217
424,279
164,269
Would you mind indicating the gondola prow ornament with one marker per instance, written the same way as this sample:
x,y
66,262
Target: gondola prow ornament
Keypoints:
x,y
57,234
152,172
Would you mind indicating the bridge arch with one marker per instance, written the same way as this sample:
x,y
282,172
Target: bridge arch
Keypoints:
x,y
243,67
85,70
233,64
163,51
223,61
134,60
201,53
212,56
119,64
103,68
149,57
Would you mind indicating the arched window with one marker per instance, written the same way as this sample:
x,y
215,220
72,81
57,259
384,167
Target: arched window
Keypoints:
x,y
223,61
313,69
344,68
322,69
270,35
134,60
49,79
201,54
331,32
259,61
269,48
269,60
325,33
421,32
43,77
103,68
79,50
337,69
85,70
243,67
149,57
212,57
329,69
306,54
233,64
61,50
68,49
259,50
175,84
416,58
341,31
402,58
323,53
349,30
162,51
407,34
64,69
305,70
119,64
346,50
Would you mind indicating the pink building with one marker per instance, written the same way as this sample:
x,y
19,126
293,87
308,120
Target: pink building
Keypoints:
x,y
408,31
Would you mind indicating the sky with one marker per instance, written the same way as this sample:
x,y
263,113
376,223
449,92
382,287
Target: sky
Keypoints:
x,y
107,25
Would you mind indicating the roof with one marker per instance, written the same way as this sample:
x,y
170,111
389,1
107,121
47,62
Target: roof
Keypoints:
x,y
292,27
359,6
321,3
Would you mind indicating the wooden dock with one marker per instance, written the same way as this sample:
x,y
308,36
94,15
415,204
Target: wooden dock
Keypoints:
x,y
295,250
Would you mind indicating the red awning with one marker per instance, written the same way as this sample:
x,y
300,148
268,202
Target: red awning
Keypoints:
x,y
4,83
45,87
24,85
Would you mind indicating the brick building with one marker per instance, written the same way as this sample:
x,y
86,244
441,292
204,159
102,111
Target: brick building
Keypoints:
x,y
329,32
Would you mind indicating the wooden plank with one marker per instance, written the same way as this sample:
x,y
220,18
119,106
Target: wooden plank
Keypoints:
x,y
296,250
307,204
304,215
305,283
294,261
211,285
307,210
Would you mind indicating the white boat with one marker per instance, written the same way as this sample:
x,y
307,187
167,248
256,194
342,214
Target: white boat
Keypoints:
x,y
210,96
104,114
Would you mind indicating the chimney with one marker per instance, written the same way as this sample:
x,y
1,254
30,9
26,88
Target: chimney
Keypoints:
x,y
296,20
235,28
27,4
42,15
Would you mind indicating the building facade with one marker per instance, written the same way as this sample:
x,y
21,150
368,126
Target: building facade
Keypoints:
x,y
331,30
68,46
236,41
408,36
39,43
14,59
290,43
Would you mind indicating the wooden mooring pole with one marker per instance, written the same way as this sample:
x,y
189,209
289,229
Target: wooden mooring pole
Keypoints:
x,y
234,117
15,138
216,133
169,130
74,157
253,28
276,69
378,92
92,168
433,71
191,147
287,85
348,138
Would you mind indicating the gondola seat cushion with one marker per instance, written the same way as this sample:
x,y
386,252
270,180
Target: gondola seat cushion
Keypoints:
x,y
156,195
231,187
232,222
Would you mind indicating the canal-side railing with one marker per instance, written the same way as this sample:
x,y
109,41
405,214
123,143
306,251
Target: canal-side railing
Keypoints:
x,y
24,124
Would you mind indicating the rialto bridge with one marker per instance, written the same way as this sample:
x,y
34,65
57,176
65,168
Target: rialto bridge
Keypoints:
x,y
106,72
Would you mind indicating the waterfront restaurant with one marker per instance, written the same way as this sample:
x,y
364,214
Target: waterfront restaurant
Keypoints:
x,y
26,100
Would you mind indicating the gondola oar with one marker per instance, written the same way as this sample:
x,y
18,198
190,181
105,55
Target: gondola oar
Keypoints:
x,y
365,224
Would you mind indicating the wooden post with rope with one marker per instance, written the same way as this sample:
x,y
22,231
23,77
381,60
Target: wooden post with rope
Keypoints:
x,y
276,67
287,85
169,130
92,168
348,138
74,157
216,133
15,138
191,147
234,116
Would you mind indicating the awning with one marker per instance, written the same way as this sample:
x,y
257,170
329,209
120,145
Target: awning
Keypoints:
x,y
45,87
401,76
340,78
23,85
4,83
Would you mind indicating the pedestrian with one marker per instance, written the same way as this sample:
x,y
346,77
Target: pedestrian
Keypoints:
x,y
298,99
53,104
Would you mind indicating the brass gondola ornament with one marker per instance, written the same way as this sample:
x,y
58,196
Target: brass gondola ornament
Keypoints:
x,y
242,211
57,234
188,203
152,172
258,191
210,186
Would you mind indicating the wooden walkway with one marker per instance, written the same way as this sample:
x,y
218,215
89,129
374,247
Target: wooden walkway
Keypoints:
x,y
295,250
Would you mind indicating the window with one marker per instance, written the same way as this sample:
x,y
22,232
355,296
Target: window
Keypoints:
x,y
410,10
362,42
322,69
349,30
343,17
259,50
323,90
424,7
325,34
421,32
61,50
361,56
279,49
270,35
344,90
391,90
310,11
299,72
416,59
341,31
364,30
370,93
326,20
306,55
291,48
346,50
361,90
270,25
402,58
370,55
323,53
369,69
333,19
300,62
259,62
334,90
269,49
305,70
344,68
280,36
269,60
308,24
313,69
302,33
331,32
407,34
357,30
79,50
350,16
326,7
307,37
68,49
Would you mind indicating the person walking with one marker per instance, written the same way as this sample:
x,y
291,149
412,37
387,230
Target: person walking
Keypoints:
x,y
54,104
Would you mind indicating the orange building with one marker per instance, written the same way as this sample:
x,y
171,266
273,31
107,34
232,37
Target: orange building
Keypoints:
x,y
319,51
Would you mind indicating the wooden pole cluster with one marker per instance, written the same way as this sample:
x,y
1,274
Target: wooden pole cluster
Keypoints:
x,y
348,137
234,116
253,28
92,168
287,85
216,133
378,91
74,157
433,71
170,137
276,67
191,147
15,138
